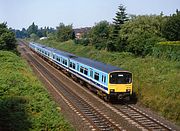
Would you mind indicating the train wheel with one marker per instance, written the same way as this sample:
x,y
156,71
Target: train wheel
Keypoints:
x,y
106,98
127,98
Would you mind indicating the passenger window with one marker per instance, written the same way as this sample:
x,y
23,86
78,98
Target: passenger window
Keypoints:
x,y
104,79
65,62
74,66
85,71
96,76
70,65
81,69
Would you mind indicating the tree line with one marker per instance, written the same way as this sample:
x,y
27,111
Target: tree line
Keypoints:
x,y
129,33
33,32
136,34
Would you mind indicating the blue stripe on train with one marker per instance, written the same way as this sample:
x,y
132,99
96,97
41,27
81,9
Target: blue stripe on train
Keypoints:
x,y
103,87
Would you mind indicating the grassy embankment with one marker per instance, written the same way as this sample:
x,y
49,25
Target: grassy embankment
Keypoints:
x,y
24,103
156,81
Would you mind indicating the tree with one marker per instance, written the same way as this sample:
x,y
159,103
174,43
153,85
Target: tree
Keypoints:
x,y
34,37
64,32
171,28
141,33
32,29
99,34
120,18
7,38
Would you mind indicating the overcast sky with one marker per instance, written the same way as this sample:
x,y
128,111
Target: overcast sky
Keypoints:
x,y
80,13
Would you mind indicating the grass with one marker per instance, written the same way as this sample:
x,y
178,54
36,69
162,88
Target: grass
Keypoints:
x,y
156,81
24,103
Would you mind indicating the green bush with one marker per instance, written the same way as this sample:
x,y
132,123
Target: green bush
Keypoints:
x,y
24,103
83,41
168,50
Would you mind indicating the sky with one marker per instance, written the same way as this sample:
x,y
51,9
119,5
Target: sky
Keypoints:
x,y
81,13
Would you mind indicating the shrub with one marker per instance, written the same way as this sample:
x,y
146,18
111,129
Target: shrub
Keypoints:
x,y
167,50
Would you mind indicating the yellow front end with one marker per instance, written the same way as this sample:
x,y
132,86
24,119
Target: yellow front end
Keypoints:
x,y
120,88
120,84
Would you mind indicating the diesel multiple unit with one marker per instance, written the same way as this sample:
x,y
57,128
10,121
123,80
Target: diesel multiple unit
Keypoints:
x,y
108,81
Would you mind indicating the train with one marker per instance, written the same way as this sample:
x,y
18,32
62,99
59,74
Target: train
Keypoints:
x,y
109,82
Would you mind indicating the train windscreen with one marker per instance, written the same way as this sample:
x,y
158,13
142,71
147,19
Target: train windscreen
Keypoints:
x,y
120,78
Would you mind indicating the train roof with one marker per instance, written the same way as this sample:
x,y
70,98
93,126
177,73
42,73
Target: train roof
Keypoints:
x,y
92,63
43,46
97,65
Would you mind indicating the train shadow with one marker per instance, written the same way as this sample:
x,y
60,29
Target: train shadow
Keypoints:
x,y
133,100
13,116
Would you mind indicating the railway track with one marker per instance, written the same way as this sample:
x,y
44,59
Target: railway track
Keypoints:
x,y
140,118
97,120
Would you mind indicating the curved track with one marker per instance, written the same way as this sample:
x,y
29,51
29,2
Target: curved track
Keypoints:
x,y
96,119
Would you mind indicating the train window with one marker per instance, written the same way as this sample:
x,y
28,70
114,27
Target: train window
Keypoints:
x,y
74,66
96,76
104,79
64,62
70,64
120,78
91,73
81,69
58,59
85,71
78,67
53,57
45,53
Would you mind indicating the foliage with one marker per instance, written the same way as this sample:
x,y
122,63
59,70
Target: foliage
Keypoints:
x,y
170,50
21,33
33,29
140,34
24,103
171,28
83,41
34,37
120,18
64,32
7,38
156,81
99,34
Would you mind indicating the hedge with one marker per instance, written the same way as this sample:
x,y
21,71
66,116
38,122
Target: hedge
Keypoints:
x,y
168,50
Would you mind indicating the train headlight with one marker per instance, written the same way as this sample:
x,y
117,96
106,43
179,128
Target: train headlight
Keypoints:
x,y
128,90
111,90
